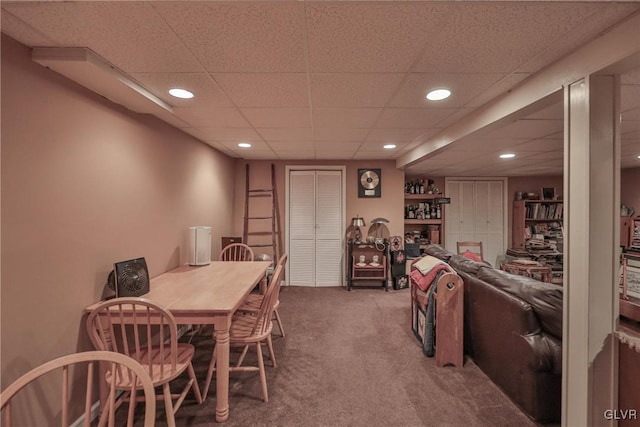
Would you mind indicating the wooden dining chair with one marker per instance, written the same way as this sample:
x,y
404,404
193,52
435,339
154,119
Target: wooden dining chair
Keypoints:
x,y
148,333
475,247
236,252
26,389
248,328
253,301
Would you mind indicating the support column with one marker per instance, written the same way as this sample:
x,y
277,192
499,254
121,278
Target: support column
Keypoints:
x,y
592,205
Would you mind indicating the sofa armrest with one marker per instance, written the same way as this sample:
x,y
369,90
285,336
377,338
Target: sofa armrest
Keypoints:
x,y
543,353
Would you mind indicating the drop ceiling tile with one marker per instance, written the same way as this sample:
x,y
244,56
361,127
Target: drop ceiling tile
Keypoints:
x,y
172,119
631,77
540,145
464,87
278,117
328,134
285,135
265,90
397,135
292,146
241,36
345,117
629,116
255,146
363,37
296,155
500,87
590,28
353,90
255,154
19,30
497,37
412,118
332,156
226,134
211,117
206,91
632,147
371,155
338,146
105,27
630,97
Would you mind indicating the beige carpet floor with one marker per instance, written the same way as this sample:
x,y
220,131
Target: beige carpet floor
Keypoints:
x,y
351,359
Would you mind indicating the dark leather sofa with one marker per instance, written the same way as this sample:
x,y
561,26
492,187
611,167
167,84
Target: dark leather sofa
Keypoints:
x,y
513,332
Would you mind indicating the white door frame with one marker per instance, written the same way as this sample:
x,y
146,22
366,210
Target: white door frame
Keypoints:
x,y
505,199
288,169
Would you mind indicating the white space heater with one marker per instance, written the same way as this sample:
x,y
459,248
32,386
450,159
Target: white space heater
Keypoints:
x,y
199,245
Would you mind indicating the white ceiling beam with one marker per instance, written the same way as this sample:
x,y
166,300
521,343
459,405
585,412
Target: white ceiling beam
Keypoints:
x,y
621,45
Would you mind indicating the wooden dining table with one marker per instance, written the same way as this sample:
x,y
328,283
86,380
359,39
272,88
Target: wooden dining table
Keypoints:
x,y
208,295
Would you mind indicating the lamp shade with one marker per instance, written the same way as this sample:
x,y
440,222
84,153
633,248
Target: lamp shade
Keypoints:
x,y
380,221
357,222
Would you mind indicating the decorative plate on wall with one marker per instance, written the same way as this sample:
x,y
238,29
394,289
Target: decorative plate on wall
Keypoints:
x,y
369,183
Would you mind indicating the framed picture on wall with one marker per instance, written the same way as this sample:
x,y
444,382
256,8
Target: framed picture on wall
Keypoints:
x,y
369,183
548,193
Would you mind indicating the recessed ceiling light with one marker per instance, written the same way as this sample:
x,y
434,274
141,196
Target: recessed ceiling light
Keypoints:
x,y
507,156
180,93
244,145
639,156
438,94
389,146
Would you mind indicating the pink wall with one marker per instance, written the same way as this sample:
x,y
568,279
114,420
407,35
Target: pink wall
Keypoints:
x,y
390,205
630,188
86,183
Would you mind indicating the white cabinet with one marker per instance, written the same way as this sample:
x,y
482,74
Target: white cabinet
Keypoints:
x,y
315,227
477,213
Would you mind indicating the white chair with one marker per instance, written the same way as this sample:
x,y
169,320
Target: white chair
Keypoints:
x,y
148,333
117,366
253,301
250,328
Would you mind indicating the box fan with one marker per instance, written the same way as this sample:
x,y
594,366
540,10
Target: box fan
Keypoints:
x,y
129,278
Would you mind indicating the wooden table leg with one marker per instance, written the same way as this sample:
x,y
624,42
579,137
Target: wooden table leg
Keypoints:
x,y
222,373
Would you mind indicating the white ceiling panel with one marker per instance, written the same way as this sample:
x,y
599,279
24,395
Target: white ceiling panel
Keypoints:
x,y
211,117
338,79
286,134
208,93
233,37
337,118
353,90
278,117
265,90
464,87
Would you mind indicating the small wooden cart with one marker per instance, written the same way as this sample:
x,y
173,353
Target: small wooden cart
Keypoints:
x,y
367,269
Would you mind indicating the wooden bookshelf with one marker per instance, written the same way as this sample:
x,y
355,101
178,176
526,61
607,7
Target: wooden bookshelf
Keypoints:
x,y
531,217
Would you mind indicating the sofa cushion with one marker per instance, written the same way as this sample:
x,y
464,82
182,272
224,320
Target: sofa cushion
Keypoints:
x,y
471,255
460,263
545,298
438,252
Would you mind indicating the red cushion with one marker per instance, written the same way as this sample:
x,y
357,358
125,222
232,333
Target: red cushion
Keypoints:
x,y
472,255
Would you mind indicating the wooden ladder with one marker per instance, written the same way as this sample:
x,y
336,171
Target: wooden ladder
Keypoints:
x,y
251,220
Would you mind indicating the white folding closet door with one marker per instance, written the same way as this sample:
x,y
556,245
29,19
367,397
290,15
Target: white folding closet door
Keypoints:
x,y
490,219
329,228
476,213
315,228
302,220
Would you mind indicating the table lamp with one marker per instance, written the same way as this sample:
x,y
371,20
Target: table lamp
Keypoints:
x,y
379,228
358,222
